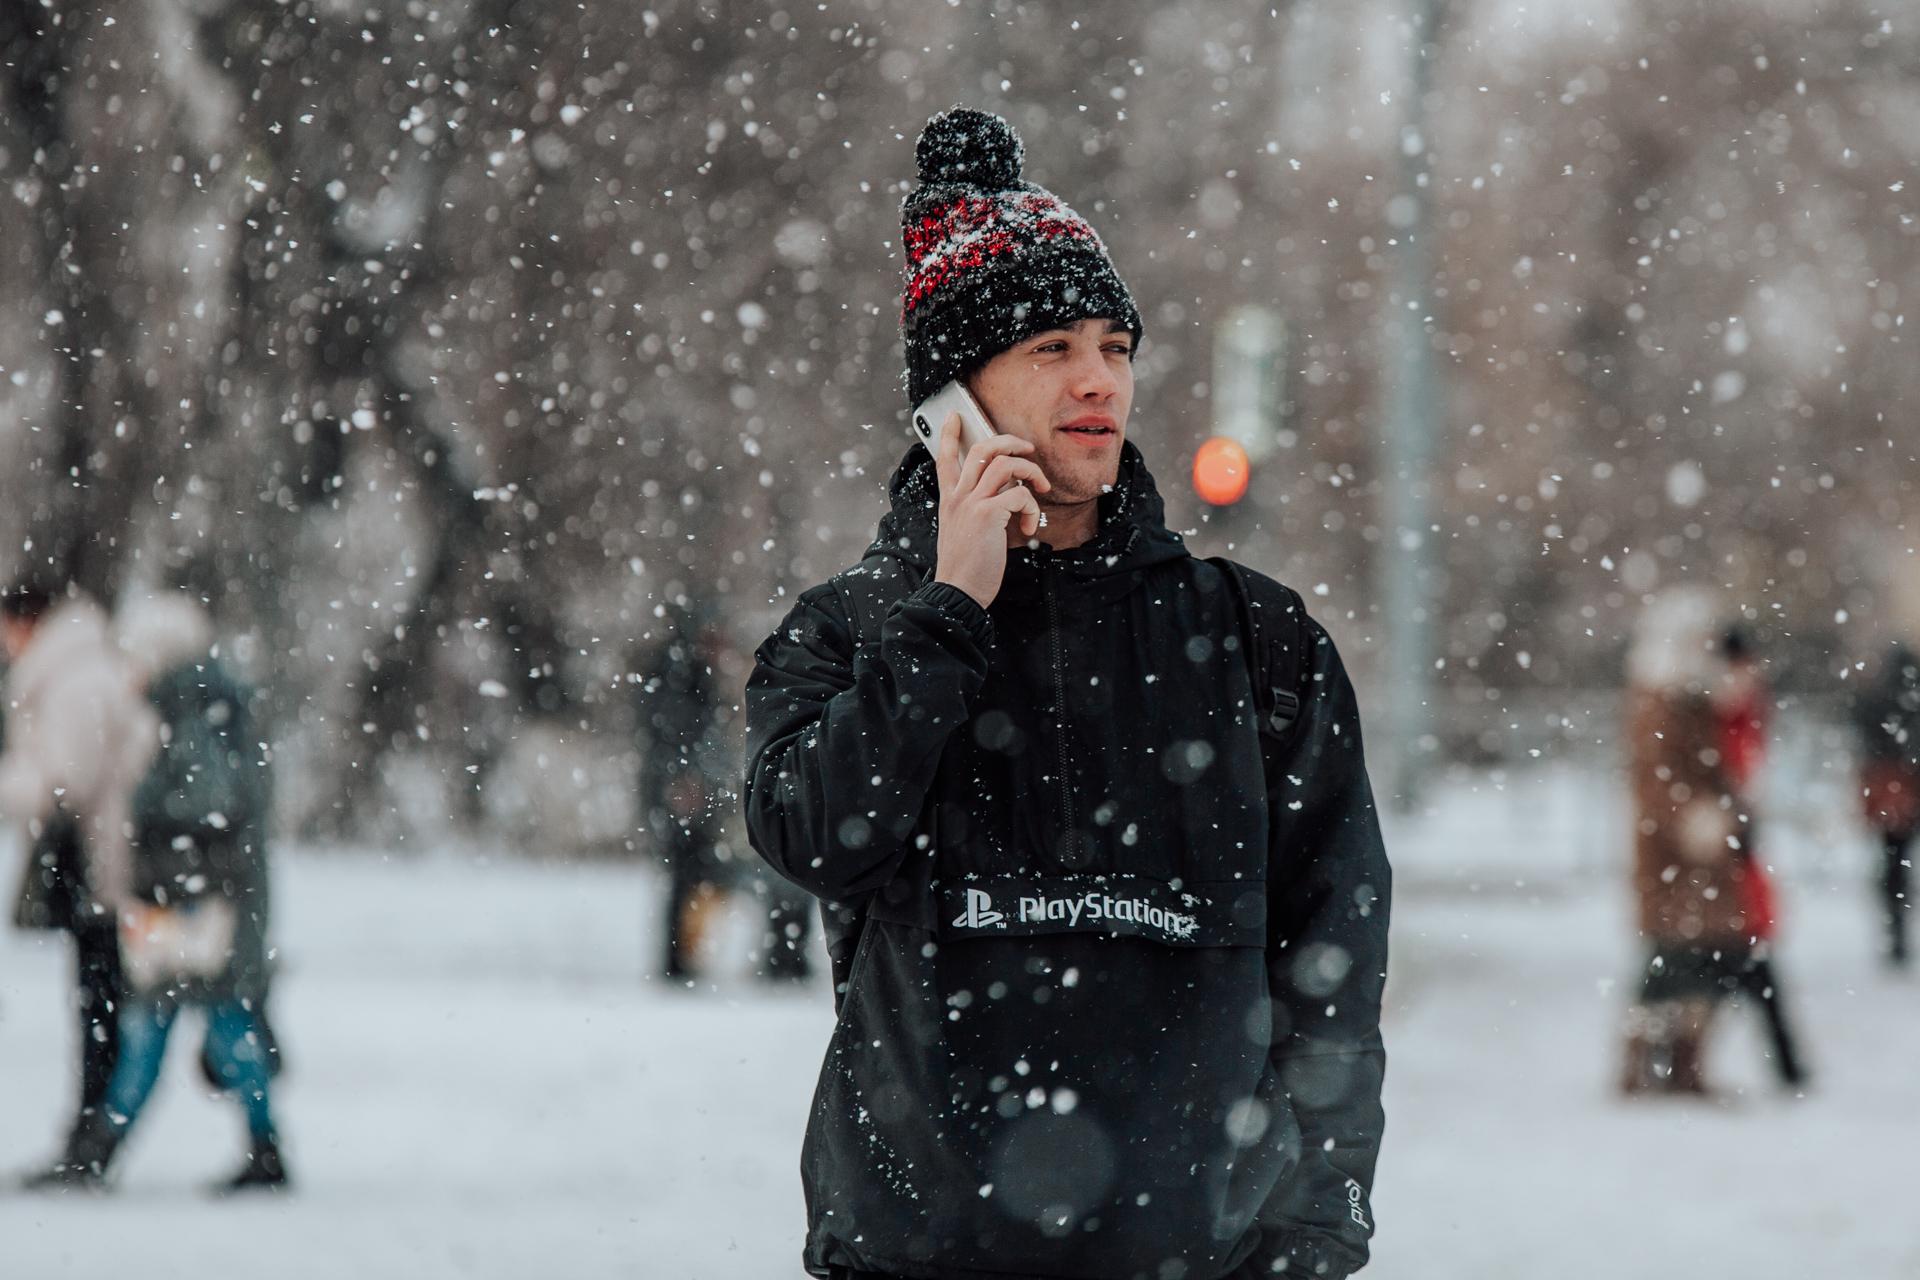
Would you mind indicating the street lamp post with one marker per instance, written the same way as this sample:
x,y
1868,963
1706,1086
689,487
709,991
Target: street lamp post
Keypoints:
x,y
1411,430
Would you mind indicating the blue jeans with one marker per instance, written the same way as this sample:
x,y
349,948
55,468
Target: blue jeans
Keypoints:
x,y
233,1045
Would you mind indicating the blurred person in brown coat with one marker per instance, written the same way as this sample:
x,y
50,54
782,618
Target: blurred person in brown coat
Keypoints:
x,y
1689,828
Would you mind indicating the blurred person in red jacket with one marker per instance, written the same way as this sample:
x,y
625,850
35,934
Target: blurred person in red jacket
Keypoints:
x,y
1743,709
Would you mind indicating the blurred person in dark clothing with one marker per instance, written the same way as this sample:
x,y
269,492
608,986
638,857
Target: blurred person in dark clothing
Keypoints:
x,y
1887,722
193,931
687,798
678,707
77,736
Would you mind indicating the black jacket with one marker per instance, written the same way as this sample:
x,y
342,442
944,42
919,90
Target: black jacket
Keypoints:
x,y
1886,714
212,761
677,707
1114,1005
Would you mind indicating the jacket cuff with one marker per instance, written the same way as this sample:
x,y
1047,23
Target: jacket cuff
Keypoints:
x,y
957,607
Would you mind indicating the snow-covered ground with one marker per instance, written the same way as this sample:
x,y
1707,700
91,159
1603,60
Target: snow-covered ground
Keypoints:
x,y
483,1082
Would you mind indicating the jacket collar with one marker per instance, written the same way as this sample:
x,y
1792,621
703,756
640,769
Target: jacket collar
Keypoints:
x,y
1132,534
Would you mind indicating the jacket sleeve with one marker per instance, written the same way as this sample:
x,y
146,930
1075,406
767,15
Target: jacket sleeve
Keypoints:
x,y
1329,894
843,741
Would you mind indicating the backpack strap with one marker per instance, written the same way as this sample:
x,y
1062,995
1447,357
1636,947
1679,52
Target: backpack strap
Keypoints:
x,y
1270,634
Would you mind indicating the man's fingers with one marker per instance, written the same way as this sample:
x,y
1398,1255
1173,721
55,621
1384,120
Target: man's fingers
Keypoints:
x,y
1029,514
1003,471
946,458
1018,503
986,451
1030,521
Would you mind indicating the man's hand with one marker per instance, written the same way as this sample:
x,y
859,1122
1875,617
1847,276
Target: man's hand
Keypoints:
x,y
980,496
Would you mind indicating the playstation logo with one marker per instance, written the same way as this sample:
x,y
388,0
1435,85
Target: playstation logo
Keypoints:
x,y
979,913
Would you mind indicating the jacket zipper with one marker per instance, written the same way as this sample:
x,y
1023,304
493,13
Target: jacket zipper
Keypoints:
x,y
1059,697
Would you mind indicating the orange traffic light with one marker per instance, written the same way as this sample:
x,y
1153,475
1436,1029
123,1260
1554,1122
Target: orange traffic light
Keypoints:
x,y
1220,471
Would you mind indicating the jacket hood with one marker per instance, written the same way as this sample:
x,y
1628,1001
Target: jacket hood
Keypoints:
x,y
162,630
1132,535
74,632
1675,642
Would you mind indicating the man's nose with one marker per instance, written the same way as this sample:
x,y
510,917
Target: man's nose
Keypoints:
x,y
1092,379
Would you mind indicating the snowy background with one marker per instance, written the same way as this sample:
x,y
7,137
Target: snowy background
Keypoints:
x,y
484,1081
441,344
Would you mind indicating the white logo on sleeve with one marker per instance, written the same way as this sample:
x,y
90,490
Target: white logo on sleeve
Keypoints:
x,y
1354,1210
979,913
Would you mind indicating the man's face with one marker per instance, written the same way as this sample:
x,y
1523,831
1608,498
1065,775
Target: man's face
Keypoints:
x,y
1068,391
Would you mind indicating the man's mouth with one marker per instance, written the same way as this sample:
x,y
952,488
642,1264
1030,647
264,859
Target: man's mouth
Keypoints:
x,y
1090,430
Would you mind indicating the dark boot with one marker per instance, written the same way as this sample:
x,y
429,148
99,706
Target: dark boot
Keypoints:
x,y
83,1165
1894,882
263,1170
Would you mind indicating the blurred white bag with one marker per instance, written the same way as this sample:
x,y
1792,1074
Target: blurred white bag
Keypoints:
x,y
163,945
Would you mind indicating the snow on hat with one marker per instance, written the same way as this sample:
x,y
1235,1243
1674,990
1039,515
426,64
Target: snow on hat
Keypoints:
x,y
991,259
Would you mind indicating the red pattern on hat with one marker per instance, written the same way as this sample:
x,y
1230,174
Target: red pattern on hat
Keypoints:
x,y
968,233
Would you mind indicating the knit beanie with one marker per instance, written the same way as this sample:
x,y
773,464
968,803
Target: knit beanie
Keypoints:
x,y
991,259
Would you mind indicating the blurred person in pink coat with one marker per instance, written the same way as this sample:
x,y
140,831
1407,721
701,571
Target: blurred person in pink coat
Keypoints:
x,y
78,738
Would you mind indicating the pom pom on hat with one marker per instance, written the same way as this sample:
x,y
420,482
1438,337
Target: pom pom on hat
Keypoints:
x,y
965,145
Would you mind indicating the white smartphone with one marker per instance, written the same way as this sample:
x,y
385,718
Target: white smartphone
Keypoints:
x,y
932,413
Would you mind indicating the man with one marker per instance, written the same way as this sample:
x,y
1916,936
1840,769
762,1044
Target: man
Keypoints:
x,y
78,734
1108,933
